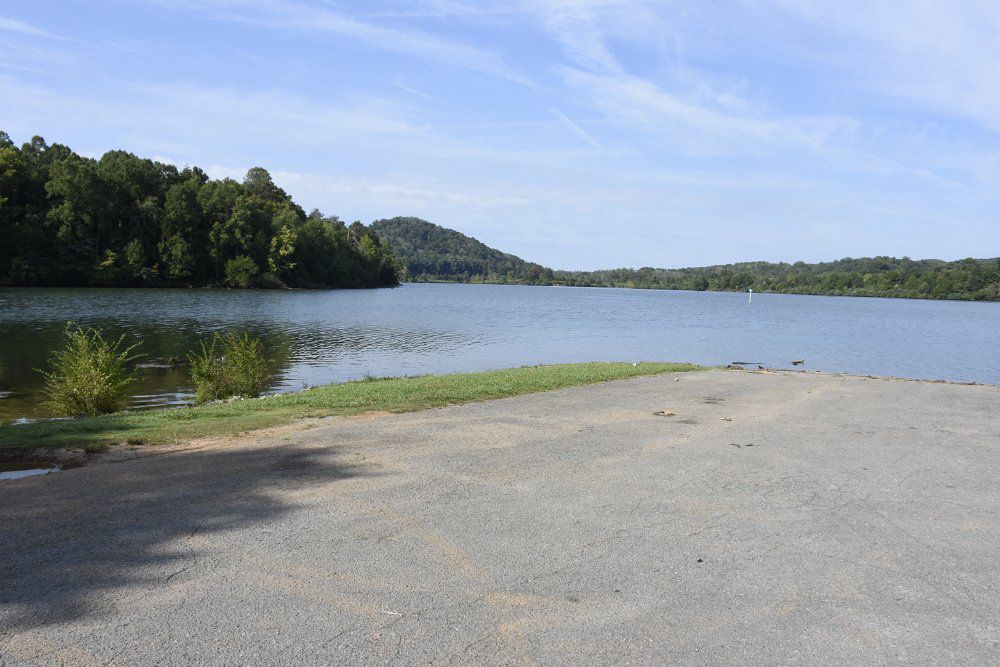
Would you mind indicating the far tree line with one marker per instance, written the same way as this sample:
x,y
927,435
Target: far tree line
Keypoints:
x,y
122,220
966,279
434,253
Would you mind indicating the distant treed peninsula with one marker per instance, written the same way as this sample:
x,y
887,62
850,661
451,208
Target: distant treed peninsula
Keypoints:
x,y
68,220
434,253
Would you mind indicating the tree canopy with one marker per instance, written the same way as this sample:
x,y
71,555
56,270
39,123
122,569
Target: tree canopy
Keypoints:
x,y
122,220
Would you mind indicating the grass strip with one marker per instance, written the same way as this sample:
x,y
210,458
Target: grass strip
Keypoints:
x,y
350,398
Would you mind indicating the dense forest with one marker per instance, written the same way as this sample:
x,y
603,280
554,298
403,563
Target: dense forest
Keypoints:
x,y
432,253
121,220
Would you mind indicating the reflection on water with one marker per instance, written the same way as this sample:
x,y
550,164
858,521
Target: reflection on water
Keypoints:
x,y
330,336
20,470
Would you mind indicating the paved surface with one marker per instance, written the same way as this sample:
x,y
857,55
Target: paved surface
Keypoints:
x,y
776,518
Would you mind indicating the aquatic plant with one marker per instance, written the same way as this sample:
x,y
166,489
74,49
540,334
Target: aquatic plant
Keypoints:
x,y
229,365
90,375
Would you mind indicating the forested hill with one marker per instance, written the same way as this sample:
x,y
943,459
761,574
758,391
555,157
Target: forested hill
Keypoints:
x,y
122,220
431,252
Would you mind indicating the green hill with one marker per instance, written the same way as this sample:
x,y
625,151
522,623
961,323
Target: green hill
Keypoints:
x,y
433,253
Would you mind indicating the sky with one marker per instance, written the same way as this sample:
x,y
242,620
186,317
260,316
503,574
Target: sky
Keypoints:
x,y
578,134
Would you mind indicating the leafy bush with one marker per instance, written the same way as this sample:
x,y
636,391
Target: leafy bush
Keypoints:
x,y
89,375
241,272
229,365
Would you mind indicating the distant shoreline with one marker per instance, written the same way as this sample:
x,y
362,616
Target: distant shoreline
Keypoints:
x,y
653,288
721,291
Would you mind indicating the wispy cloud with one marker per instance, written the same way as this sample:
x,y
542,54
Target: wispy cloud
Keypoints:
x,y
414,91
577,130
302,18
196,123
438,9
692,128
944,56
738,131
692,112
13,25
576,27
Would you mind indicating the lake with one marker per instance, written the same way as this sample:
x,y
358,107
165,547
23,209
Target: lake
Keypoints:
x,y
317,337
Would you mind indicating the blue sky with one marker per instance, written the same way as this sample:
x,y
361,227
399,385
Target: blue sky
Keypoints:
x,y
577,134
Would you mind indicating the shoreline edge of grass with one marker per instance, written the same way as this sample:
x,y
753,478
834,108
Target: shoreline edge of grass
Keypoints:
x,y
233,418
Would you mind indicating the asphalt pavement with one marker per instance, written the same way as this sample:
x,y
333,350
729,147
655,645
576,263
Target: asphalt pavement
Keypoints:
x,y
712,517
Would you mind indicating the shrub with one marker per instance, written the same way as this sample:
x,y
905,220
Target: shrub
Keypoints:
x,y
89,375
241,272
229,365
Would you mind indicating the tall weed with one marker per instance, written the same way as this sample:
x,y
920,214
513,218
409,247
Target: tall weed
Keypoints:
x,y
89,375
229,365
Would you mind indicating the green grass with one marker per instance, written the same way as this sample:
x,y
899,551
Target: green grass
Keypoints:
x,y
350,398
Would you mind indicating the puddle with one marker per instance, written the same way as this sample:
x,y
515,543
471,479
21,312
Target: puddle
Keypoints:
x,y
28,420
25,469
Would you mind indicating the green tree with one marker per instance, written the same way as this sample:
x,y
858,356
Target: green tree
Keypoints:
x,y
177,257
279,260
79,198
258,183
241,272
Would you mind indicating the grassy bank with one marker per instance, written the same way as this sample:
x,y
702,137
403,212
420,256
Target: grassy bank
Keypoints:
x,y
351,398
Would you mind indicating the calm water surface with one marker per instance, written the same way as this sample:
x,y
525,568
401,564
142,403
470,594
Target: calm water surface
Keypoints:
x,y
330,336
